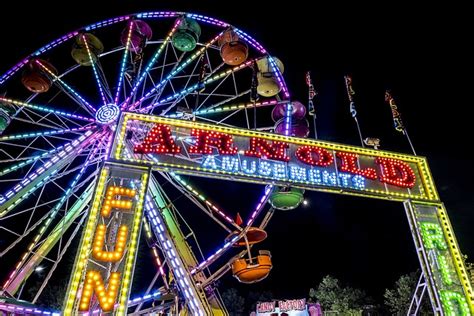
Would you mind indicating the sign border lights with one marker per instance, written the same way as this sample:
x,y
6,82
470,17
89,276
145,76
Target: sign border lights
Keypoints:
x,y
440,258
112,289
388,167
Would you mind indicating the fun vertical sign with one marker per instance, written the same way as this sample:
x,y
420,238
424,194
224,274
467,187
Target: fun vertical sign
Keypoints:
x,y
102,274
443,267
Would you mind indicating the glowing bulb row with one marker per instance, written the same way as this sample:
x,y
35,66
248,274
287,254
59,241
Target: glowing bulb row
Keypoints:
x,y
111,202
261,148
95,283
99,242
158,140
179,272
205,140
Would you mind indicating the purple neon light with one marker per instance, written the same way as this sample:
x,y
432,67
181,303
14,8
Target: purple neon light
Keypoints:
x,y
202,198
250,40
252,218
107,22
45,109
277,72
288,119
94,70
124,62
175,71
14,69
55,43
179,272
50,163
152,62
45,133
51,216
159,14
19,310
108,145
196,86
68,87
206,19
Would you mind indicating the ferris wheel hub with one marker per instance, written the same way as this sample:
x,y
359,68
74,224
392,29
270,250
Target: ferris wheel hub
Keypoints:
x,y
107,114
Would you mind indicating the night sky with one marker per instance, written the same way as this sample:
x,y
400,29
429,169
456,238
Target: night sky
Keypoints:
x,y
416,53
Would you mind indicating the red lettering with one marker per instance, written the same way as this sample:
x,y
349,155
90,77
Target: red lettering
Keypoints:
x,y
349,164
158,141
262,149
314,156
206,140
396,172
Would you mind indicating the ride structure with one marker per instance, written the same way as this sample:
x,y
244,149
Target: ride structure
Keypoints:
x,y
105,158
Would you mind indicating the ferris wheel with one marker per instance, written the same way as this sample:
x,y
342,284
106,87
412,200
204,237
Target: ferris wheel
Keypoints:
x,y
60,111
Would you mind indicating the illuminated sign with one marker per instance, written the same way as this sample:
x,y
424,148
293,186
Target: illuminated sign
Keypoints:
x,y
245,155
441,258
288,308
102,274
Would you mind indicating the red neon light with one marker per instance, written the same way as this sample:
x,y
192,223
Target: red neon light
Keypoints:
x,y
159,141
262,149
349,164
306,154
396,172
206,140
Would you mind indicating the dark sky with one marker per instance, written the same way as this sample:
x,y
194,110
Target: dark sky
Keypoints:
x,y
419,53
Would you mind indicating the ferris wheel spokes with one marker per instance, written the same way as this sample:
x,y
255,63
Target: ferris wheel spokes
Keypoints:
x,y
151,63
161,84
68,90
41,175
41,248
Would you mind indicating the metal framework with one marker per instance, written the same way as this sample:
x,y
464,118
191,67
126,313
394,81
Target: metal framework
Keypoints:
x,y
68,162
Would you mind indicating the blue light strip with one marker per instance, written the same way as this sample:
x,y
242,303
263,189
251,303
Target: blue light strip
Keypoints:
x,y
50,217
68,87
45,133
175,71
277,72
209,260
21,310
94,70
33,175
197,85
124,62
152,62
45,109
179,272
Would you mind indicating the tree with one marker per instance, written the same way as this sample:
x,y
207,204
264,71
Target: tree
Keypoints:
x,y
398,299
256,297
333,297
234,303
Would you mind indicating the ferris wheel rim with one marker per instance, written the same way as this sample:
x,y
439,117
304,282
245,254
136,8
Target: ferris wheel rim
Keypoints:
x,y
111,114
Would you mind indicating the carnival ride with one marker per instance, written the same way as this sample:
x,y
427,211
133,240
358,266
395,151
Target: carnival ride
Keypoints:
x,y
105,123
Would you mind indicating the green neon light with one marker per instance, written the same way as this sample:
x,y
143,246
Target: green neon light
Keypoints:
x,y
454,304
433,236
445,270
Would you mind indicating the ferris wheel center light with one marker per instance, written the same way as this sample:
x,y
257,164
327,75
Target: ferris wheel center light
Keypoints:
x,y
107,113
